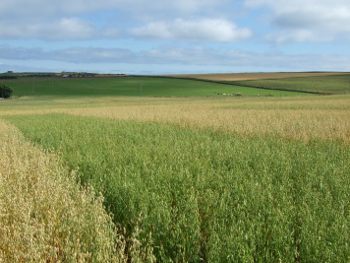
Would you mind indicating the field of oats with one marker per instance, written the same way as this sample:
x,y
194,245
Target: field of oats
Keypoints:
x,y
131,179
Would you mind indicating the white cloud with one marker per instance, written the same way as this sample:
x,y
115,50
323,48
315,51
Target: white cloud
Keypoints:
x,y
64,28
44,8
197,55
297,36
73,54
71,28
194,21
85,19
332,15
216,30
210,30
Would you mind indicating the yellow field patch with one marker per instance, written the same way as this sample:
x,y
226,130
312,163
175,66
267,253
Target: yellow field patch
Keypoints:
x,y
306,119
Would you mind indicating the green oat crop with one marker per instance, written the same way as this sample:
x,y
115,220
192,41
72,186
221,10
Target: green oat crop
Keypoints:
x,y
209,195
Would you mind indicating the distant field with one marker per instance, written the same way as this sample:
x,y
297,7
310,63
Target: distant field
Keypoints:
x,y
129,86
321,83
331,84
251,76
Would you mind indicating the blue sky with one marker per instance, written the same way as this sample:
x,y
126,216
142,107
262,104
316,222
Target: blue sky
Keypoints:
x,y
170,37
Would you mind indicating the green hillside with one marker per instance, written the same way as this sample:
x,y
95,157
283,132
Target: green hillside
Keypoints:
x,y
130,86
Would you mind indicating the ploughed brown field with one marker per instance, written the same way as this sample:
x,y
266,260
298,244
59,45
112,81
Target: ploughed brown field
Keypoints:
x,y
251,76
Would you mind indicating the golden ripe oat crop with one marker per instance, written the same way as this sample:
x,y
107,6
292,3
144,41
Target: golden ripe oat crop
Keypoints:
x,y
325,118
44,216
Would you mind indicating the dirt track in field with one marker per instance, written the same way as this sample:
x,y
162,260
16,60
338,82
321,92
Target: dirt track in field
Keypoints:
x,y
251,76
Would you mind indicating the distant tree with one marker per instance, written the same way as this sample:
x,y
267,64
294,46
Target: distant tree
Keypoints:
x,y
5,91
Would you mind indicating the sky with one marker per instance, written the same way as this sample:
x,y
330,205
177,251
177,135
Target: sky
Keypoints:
x,y
174,36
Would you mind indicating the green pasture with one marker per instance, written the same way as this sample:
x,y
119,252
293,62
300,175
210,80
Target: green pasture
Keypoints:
x,y
131,86
207,196
334,84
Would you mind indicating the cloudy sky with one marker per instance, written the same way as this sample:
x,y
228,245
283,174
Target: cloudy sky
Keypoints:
x,y
174,36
